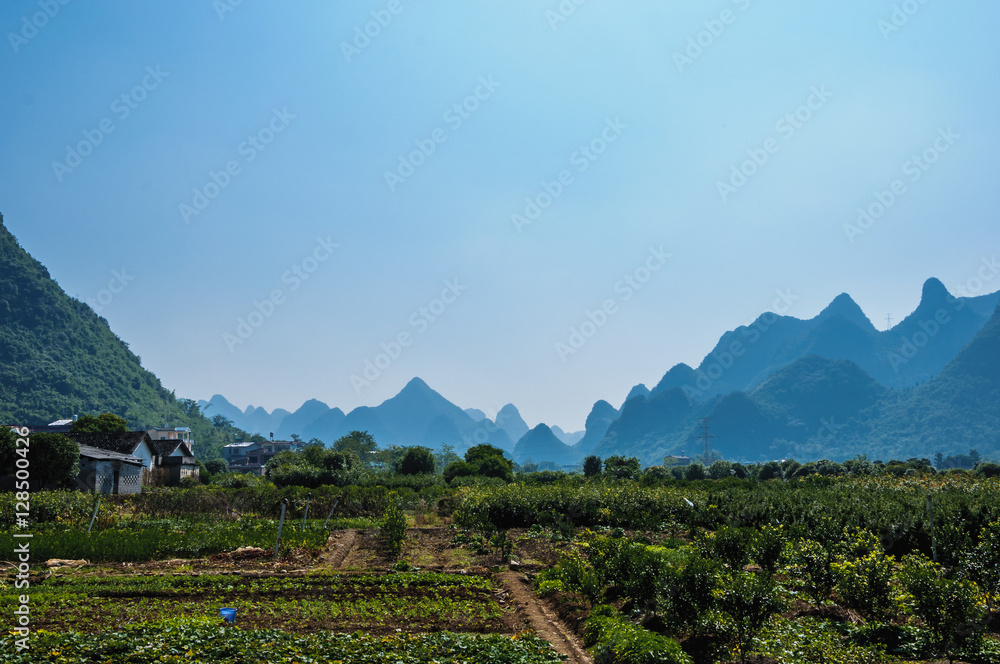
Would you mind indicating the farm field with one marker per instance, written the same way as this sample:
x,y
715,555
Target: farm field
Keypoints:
x,y
835,571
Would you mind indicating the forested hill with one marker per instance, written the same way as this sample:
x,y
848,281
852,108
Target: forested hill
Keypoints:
x,y
58,358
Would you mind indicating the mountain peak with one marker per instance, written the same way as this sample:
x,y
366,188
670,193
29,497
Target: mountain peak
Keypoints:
x,y
844,305
416,384
934,292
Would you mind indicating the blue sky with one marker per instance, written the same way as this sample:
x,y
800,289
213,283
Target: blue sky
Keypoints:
x,y
629,133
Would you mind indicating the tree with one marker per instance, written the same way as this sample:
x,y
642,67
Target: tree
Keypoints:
x,y
222,422
360,442
54,458
478,453
497,466
695,471
720,470
107,422
592,465
621,468
416,461
458,469
770,471
952,609
446,456
749,599
988,469
8,451
217,466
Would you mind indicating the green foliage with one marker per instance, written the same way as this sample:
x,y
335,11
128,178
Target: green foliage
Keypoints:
x,y
217,467
810,641
459,469
160,539
685,595
202,640
768,545
361,443
732,546
621,468
618,641
592,465
393,527
953,610
749,600
865,584
105,422
55,458
719,470
695,471
812,564
416,461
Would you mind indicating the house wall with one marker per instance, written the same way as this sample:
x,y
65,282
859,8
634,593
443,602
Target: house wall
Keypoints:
x,y
144,453
99,475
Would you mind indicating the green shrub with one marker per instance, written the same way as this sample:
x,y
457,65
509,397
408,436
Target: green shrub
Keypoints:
x,y
812,564
952,610
865,584
392,527
749,599
618,641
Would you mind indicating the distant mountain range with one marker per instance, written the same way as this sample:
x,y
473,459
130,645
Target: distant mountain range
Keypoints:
x,y
832,386
416,416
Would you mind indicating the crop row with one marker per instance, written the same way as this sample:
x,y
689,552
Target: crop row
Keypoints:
x,y
185,641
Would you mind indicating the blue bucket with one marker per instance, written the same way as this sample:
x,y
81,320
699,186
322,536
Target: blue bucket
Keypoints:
x,y
228,614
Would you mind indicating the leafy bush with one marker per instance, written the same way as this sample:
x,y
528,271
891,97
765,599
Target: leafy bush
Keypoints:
x,y
812,563
618,641
393,527
865,584
749,599
952,610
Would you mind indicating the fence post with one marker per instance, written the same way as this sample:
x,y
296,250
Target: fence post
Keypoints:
x,y
96,507
332,510
306,515
281,522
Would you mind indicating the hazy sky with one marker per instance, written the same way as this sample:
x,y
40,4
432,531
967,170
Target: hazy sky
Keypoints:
x,y
182,166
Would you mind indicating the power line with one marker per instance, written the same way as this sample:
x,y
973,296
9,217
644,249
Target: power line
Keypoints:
x,y
888,321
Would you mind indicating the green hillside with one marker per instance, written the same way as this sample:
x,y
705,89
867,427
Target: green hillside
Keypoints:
x,y
58,359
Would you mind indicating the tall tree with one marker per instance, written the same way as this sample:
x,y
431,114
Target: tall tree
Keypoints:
x,y
106,422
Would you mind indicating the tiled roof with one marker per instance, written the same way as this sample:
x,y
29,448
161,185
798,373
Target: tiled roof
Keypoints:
x,y
123,442
97,453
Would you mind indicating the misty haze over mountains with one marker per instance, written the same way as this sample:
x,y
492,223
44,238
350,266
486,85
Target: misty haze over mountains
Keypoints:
x,y
830,386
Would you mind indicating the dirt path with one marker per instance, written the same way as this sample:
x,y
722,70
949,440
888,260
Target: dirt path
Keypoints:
x,y
543,621
338,547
